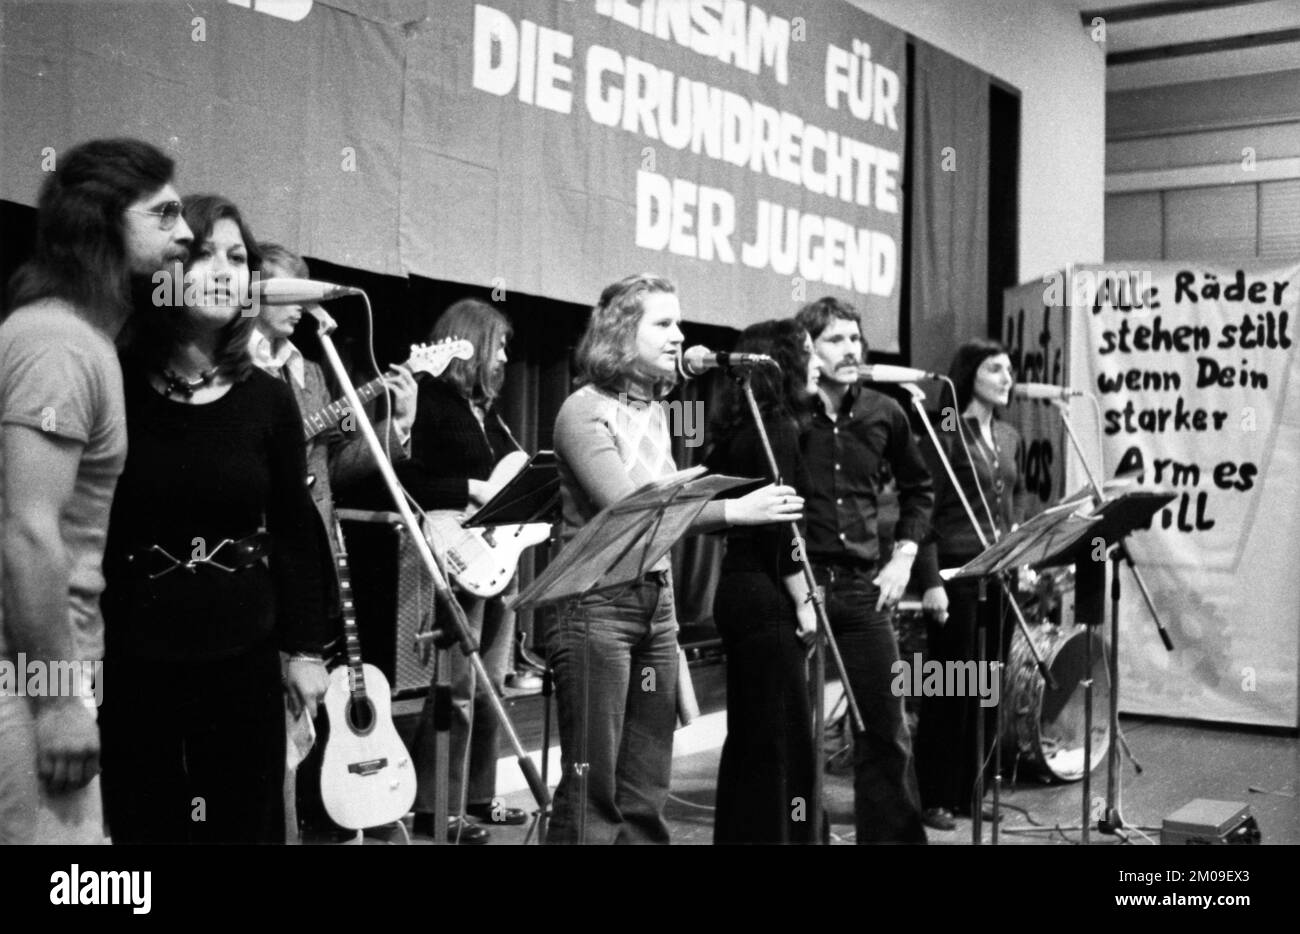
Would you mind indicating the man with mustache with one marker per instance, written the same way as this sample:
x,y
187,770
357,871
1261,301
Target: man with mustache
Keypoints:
x,y
857,439
108,219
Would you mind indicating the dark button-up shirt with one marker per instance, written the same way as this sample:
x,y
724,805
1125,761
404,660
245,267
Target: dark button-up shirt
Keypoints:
x,y
847,457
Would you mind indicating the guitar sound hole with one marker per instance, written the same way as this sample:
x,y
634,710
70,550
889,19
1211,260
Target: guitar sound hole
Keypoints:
x,y
361,715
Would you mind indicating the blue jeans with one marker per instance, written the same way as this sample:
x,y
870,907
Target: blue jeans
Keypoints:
x,y
631,713
886,800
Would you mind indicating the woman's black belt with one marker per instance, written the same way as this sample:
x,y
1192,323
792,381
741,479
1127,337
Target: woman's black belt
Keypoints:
x,y
229,555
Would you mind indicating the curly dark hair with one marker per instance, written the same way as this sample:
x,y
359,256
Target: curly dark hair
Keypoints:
x,y
816,316
156,328
780,395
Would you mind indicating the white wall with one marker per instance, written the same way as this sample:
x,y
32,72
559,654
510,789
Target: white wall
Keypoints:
x,y
1207,169
1041,48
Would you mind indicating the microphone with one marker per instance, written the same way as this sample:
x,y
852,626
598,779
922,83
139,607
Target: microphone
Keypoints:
x,y
1043,391
884,373
695,360
288,291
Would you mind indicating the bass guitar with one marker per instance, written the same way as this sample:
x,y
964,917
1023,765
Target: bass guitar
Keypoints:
x,y
482,561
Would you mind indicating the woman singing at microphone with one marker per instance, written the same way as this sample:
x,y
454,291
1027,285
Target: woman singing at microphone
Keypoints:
x,y
986,468
213,564
611,437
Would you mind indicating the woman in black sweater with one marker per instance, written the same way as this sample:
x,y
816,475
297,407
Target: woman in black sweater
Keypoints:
x,y
212,566
762,611
986,468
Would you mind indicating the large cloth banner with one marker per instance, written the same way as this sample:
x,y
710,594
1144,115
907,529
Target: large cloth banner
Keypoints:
x,y
1194,365
752,152
292,109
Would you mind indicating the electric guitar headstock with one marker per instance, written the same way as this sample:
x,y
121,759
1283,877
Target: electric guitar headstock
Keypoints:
x,y
434,358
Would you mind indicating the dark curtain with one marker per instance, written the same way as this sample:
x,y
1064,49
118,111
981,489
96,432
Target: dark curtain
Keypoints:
x,y
538,379
1004,198
949,223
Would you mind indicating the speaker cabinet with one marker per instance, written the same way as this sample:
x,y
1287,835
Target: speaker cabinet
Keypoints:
x,y
393,594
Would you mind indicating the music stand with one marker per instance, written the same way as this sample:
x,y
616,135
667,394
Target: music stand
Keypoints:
x,y
614,549
530,496
1071,534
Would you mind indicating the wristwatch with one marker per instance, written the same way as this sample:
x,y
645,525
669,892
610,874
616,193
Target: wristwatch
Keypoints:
x,y
906,547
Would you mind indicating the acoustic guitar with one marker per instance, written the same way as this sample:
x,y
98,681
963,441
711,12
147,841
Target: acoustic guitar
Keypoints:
x,y
367,777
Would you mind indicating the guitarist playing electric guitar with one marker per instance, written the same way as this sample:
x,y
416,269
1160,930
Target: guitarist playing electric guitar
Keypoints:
x,y
457,441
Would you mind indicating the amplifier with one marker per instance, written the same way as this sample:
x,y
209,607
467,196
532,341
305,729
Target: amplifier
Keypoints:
x,y
1210,822
393,597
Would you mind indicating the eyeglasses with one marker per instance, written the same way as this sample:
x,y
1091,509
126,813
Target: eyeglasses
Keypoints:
x,y
167,213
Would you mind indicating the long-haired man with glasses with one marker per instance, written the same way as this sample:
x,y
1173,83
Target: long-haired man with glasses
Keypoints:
x,y
108,220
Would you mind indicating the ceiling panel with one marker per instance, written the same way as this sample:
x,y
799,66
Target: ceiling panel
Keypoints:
x,y
1204,67
1153,28
1198,27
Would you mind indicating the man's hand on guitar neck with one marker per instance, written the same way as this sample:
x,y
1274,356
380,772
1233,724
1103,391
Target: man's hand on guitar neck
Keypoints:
x,y
401,383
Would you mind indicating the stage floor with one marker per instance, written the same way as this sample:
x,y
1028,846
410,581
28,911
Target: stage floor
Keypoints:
x,y
1181,761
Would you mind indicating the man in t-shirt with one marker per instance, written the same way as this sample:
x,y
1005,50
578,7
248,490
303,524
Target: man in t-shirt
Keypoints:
x,y
108,220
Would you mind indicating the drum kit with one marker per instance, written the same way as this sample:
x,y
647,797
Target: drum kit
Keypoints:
x,y
1044,725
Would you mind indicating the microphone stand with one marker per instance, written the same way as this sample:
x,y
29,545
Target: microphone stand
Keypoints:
x,y
1111,821
467,642
977,829
823,628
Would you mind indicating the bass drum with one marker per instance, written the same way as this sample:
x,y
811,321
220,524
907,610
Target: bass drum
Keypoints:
x,y
1045,728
